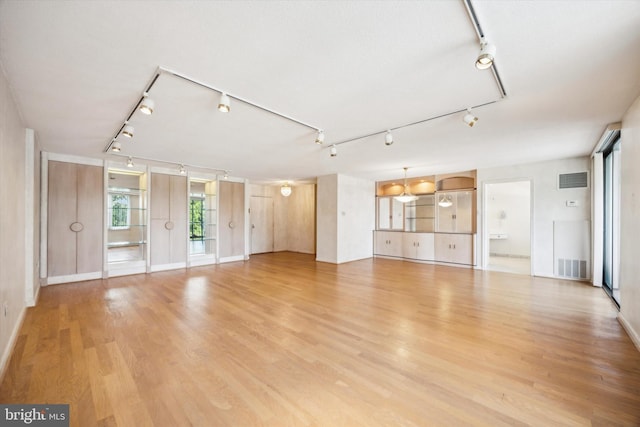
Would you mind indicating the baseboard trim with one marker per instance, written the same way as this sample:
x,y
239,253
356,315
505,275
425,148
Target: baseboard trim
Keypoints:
x,y
8,351
635,338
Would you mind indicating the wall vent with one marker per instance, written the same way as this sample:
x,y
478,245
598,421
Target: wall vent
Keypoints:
x,y
572,268
573,180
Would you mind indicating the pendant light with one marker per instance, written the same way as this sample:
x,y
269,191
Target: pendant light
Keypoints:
x,y
285,190
406,195
445,202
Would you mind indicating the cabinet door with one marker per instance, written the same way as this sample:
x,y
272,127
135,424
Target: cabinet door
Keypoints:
x,y
159,203
464,212
446,209
62,203
425,250
178,216
231,214
462,245
90,215
384,213
389,243
409,245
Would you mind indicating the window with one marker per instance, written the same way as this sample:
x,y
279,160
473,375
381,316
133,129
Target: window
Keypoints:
x,y
120,213
196,218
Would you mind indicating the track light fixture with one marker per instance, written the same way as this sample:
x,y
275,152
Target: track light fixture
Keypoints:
x,y
285,189
320,137
333,151
225,103
146,105
486,56
183,171
127,131
129,162
469,118
226,175
116,147
388,138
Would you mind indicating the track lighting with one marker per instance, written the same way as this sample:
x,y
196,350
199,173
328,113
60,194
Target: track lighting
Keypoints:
x,y
406,195
129,162
225,103
116,147
127,131
285,190
486,56
226,175
333,151
320,137
146,105
388,138
469,118
183,171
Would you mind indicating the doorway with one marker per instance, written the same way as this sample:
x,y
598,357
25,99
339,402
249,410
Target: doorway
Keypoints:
x,y
261,215
508,226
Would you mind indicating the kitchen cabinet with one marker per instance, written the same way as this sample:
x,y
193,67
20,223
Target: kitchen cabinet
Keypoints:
x,y
455,248
455,211
74,222
418,246
388,243
390,214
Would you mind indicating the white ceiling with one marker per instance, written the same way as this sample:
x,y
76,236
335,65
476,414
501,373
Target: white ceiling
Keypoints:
x,y
77,68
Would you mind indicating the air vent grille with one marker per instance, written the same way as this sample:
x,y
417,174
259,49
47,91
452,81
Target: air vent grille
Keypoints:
x,y
573,180
573,268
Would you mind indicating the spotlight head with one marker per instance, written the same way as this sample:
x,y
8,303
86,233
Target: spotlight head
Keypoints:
x,y
225,103
183,171
388,138
115,147
146,105
320,137
127,131
333,151
129,162
487,55
469,118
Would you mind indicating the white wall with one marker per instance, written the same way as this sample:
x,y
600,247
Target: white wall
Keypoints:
x,y
12,221
549,203
345,218
630,223
508,213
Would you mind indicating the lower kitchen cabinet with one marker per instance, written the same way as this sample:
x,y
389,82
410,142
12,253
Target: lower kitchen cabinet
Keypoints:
x,y
455,248
388,243
419,246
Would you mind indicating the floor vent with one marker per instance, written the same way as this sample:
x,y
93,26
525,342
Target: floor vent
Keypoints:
x,y
572,268
573,180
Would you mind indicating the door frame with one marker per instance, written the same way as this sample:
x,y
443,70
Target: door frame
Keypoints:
x,y
485,229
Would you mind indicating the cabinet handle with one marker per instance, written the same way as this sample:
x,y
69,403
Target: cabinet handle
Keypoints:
x,y
454,246
449,245
231,224
76,227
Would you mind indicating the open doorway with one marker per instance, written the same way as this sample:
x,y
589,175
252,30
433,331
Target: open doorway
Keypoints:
x,y
508,226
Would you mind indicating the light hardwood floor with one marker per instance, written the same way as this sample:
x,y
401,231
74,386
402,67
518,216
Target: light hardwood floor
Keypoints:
x,y
281,340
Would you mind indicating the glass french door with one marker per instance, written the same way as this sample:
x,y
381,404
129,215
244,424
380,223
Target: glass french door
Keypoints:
x,y
611,261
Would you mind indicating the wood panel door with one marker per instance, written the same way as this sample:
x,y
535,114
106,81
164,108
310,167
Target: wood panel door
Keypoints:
x,y
75,215
168,219
261,214
231,215
62,204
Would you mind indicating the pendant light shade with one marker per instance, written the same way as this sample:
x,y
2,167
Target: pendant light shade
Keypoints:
x,y
486,56
225,103
406,195
146,106
320,137
445,201
285,190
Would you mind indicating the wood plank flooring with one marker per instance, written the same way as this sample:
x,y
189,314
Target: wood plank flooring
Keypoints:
x,y
281,340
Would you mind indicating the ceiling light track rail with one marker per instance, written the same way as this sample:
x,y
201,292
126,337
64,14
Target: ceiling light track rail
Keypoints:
x,y
180,165
481,37
380,132
236,97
